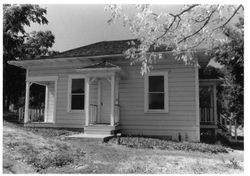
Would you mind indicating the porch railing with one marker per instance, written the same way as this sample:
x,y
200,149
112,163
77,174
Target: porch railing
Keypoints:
x,y
117,113
228,125
35,114
207,115
93,113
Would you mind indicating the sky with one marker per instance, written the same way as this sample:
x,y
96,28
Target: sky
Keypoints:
x,y
78,25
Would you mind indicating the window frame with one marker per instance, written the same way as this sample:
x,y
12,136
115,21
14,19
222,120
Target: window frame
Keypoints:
x,y
146,92
70,78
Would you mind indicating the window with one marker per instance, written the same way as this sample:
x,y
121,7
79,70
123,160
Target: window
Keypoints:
x,y
156,95
77,94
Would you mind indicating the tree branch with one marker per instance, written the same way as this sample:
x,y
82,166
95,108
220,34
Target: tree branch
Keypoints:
x,y
196,32
174,19
194,46
230,18
188,9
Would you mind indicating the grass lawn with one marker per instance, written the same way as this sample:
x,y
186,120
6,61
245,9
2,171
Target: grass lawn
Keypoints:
x,y
32,150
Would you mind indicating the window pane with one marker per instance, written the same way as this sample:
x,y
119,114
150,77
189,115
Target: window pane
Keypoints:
x,y
77,102
77,85
156,100
156,83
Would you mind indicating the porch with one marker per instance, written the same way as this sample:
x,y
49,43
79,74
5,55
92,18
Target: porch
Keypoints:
x,y
102,109
212,121
46,112
208,103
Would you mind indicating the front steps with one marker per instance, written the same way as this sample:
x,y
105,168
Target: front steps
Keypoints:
x,y
90,137
101,129
228,136
97,132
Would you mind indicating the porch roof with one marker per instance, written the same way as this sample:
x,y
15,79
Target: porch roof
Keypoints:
x,y
102,69
103,64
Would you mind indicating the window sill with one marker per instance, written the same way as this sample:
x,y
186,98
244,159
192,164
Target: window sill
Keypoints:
x,y
155,111
76,111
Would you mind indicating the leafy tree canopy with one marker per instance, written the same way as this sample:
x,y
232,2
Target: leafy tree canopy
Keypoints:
x,y
231,55
188,28
18,44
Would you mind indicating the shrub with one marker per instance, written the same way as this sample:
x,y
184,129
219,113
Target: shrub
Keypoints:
x,y
234,164
150,143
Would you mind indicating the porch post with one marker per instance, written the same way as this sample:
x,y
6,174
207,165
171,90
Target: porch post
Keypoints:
x,y
27,97
215,105
112,107
197,101
117,90
99,101
46,103
86,101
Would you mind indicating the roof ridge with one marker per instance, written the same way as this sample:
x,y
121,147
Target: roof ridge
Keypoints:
x,y
95,44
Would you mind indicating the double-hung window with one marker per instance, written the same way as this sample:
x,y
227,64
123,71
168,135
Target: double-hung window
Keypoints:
x,y
76,94
156,92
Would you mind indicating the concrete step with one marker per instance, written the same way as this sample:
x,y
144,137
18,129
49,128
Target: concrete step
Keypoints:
x,y
100,127
90,137
103,132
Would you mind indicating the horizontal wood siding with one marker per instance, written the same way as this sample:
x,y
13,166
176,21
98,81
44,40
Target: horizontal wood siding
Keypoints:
x,y
180,119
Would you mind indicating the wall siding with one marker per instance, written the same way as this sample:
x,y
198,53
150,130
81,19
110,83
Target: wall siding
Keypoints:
x,y
181,118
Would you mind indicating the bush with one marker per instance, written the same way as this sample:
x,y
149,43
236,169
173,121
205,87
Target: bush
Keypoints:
x,y
50,159
151,143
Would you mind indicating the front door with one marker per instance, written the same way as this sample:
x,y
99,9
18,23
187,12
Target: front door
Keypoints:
x,y
105,101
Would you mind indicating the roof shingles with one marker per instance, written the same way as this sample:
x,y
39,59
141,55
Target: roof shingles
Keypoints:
x,y
97,49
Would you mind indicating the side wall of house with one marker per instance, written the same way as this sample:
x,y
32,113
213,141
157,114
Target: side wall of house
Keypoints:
x,y
180,120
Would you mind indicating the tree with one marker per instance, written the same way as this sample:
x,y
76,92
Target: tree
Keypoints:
x,y
18,44
185,30
188,28
231,55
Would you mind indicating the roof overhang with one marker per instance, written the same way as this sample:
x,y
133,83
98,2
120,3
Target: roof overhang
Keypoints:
x,y
67,60
203,60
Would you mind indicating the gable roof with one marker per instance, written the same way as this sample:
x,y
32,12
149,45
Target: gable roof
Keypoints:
x,y
97,49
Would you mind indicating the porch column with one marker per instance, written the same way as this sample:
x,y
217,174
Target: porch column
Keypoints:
x,y
86,107
46,103
215,105
112,111
27,98
117,90
99,86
